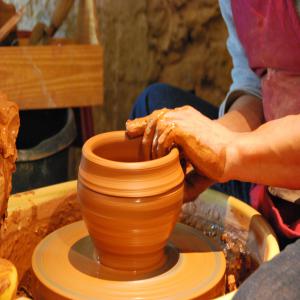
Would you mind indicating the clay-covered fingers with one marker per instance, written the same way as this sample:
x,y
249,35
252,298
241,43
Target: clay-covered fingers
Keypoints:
x,y
151,134
156,130
160,132
148,139
146,127
160,126
165,141
137,127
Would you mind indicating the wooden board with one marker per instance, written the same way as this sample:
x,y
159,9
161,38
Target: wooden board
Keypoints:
x,y
52,76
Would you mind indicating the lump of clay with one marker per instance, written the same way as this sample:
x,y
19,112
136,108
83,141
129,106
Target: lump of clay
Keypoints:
x,y
9,126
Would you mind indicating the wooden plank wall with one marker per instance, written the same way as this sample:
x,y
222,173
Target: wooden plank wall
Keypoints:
x,y
52,76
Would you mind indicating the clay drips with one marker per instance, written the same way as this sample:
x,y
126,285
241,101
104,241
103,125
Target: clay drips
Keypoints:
x,y
9,126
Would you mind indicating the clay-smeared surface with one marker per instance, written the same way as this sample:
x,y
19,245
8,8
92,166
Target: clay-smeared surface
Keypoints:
x,y
198,273
5,269
9,126
30,217
166,128
239,261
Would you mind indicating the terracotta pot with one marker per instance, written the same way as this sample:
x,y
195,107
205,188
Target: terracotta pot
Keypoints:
x,y
129,206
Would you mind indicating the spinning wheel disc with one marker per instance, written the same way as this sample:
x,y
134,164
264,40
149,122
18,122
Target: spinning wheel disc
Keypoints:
x,y
67,268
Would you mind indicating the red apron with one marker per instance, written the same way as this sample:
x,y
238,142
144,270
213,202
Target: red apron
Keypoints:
x,y
269,31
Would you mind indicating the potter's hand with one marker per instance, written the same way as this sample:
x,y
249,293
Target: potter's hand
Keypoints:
x,y
203,142
146,126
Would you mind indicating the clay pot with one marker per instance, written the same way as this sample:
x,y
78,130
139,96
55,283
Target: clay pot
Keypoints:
x,y
129,206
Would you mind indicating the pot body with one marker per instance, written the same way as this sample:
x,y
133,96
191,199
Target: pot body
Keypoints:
x,y
129,206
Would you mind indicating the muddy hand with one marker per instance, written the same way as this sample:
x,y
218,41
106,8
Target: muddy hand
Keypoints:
x,y
202,141
156,130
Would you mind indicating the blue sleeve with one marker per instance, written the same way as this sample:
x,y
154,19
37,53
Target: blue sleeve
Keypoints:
x,y
244,80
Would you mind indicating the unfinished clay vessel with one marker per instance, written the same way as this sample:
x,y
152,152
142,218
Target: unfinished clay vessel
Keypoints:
x,y
129,206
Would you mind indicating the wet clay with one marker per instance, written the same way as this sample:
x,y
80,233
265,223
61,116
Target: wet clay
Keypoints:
x,y
239,262
129,206
33,215
66,268
130,233
164,128
9,126
5,269
8,279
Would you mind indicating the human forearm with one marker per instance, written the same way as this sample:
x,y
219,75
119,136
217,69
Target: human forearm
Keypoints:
x,y
268,155
245,114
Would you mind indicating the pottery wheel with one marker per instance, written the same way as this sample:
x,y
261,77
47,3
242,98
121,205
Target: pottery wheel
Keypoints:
x,y
66,267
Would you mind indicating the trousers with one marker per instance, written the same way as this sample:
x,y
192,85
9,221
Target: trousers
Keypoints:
x,y
276,279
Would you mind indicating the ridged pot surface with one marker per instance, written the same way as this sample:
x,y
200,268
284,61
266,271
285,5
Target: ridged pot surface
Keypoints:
x,y
130,206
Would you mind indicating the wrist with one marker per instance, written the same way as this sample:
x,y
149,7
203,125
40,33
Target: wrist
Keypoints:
x,y
233,168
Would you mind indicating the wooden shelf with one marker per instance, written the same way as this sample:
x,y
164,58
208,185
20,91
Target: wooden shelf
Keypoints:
x,y
52,76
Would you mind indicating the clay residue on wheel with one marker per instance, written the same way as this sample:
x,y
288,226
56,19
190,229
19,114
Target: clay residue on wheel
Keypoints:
x,y
239,261
9,126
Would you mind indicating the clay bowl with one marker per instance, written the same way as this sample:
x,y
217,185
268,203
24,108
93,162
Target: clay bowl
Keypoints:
x,y
129,206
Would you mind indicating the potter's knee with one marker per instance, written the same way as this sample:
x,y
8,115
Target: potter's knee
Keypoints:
x,y
160,95
157,88
155,96
156,92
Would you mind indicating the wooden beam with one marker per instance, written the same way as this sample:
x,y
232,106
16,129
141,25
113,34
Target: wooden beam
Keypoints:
x,y
52,76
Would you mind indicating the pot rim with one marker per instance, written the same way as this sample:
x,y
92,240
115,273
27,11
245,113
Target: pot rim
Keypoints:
x,y
96,140
127,179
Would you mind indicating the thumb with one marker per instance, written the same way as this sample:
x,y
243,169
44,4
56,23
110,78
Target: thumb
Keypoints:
x,y
194,185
